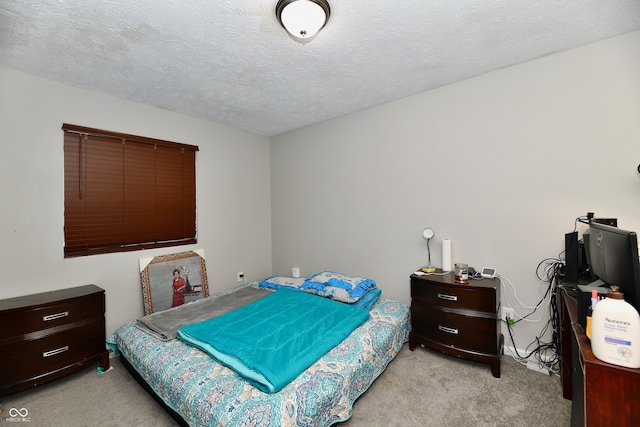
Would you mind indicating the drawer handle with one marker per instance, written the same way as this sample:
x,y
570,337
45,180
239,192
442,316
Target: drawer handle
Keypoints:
x,y
56,351
55,316
448,330
448,297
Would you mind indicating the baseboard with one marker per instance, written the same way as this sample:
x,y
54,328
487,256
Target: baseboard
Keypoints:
x,y
513,351
532,364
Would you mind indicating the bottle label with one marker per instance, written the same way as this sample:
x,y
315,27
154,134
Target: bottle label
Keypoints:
x,y
625,353
618,341
620,323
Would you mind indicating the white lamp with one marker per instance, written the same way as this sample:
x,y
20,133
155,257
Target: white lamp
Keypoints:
x,y
428,233
303,18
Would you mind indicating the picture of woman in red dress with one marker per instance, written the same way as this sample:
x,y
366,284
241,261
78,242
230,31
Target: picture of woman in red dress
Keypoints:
x,y
179,285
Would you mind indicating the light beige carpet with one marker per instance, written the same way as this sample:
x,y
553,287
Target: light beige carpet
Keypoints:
x,y
419,388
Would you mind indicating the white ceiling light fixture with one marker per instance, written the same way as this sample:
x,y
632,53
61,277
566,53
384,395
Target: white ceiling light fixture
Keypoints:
x,y
303,18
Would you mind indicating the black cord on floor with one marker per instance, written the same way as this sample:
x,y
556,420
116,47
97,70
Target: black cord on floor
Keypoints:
x,y
547,354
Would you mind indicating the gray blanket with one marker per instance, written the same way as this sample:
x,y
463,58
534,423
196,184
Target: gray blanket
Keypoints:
x,y
165,324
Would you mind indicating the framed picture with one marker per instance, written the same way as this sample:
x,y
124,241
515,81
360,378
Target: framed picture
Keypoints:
x,y
172,280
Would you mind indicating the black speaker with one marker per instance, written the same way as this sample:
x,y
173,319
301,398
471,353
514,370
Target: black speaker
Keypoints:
x,y
587,253
571,258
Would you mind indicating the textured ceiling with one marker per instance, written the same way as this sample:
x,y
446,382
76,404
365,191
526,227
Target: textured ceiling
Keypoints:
x,y
230,61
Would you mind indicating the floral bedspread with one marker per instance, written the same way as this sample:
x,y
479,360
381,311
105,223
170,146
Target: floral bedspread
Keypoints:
x,y
206,393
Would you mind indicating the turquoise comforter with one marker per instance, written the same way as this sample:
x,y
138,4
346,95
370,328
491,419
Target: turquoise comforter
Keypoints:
x,y
271,341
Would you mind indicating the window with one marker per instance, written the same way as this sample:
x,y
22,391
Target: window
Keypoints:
x,y
125,192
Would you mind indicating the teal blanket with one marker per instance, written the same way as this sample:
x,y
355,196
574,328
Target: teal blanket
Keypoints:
x,y
271,341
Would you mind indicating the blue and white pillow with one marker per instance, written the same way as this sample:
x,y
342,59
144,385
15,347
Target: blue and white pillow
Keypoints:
x,y
277,282
338,286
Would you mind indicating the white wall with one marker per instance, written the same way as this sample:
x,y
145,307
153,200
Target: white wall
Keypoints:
x,y
502,164
232,201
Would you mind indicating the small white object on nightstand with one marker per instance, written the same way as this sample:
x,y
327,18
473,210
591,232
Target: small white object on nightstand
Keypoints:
x,y
488,273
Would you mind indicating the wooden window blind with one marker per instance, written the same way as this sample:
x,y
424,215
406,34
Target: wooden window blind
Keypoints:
x,y
124,192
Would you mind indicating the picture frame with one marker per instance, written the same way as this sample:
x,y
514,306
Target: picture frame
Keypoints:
x,y
172,280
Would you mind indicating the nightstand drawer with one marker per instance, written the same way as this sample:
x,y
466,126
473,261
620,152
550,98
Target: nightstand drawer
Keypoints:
x,y
453,296
53,352
455,330
51,316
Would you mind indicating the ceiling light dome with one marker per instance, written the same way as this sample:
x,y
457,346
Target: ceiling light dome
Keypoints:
x,y
303,18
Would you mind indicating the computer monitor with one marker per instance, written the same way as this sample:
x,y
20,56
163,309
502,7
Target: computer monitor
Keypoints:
x,y
613,258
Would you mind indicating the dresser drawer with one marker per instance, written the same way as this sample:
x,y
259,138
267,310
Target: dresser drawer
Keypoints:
x,y
456,296
455,330
53,352
51,316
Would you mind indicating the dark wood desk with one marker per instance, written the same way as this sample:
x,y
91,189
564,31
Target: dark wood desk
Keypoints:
x,y
602,394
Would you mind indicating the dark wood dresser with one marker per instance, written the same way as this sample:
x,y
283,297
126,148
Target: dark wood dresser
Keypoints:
x,y
49,335
457,319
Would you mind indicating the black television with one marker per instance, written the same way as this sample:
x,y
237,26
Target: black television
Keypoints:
x,y
613,259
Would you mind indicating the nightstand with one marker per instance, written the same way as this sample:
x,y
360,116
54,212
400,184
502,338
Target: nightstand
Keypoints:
x,y
457,319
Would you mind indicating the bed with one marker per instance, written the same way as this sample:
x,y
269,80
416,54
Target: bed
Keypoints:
x,y
198,390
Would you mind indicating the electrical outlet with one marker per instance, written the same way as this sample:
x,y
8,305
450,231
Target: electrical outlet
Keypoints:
x,y
508,313
240,276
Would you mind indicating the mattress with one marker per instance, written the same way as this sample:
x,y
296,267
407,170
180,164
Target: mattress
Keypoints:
x,y
205,392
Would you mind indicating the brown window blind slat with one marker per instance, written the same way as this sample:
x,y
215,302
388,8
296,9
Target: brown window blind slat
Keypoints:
x,y
125,194
139,193
189,192
103,192
74,206
169,193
